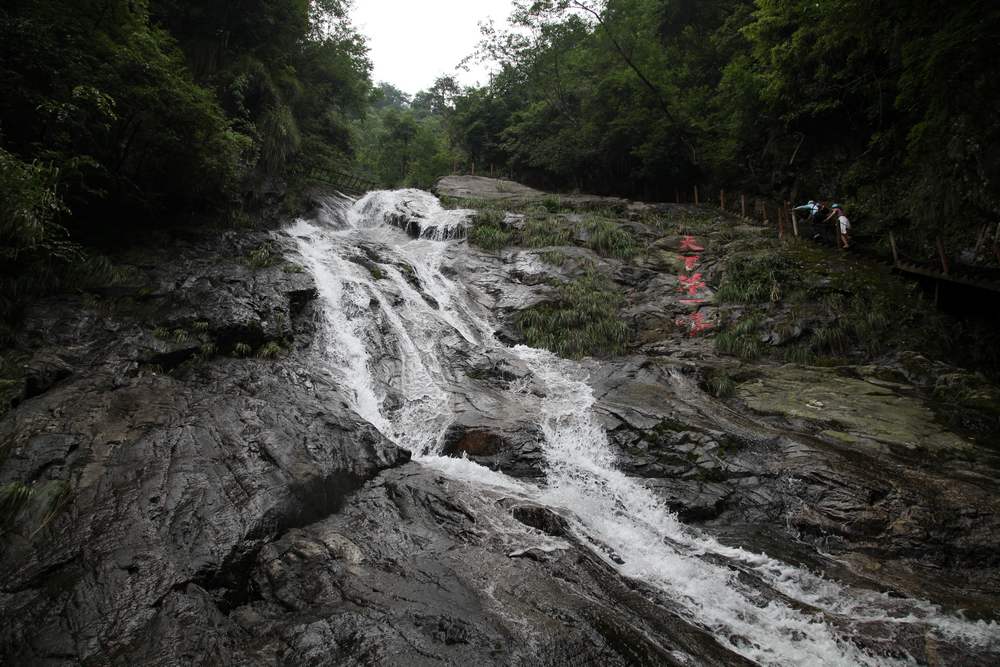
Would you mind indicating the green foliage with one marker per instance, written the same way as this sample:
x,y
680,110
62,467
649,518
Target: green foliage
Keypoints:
x,y
755,278
720,383
34,248
28,508
608,238
489,231
889,106
270,350
742,340
545,231
263,256
583,320
242,350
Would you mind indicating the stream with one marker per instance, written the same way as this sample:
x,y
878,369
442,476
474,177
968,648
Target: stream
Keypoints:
x,y
395,323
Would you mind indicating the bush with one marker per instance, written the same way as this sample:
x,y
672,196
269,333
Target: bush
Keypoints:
x,y
34,249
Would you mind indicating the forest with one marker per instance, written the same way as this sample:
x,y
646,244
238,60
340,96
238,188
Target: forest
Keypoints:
x,y
119,116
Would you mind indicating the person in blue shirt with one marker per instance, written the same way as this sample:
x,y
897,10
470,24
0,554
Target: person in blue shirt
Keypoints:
x,y
810,208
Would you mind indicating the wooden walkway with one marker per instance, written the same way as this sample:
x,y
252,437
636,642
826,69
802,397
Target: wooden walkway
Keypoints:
x,y
943,271
347,183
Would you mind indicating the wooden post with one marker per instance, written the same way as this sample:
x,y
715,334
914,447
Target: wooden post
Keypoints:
x,y
795,222
781,223
984,232
722,199
696,195
944,260
743,205
895,252
473,167
677,196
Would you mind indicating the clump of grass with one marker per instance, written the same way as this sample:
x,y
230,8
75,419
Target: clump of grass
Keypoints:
x,y
207,351
290,267
545,231
552,204
270,350
161,332
242,350
583,321
13,498
201,326
609,238
754,278
720,383
799,354
554,257
489,231
263,256
179,336
741,340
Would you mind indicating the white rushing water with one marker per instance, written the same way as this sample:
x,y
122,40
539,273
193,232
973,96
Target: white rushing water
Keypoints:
x,y
391,346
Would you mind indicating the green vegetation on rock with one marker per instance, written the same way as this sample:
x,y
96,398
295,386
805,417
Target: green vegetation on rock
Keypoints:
x,y
582,321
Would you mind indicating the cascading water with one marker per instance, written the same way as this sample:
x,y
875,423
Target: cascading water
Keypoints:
x,y
394,326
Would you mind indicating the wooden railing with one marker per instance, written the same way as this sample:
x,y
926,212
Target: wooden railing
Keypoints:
x,y
345,182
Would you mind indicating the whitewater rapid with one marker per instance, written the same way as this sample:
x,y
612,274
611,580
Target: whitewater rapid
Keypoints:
x,y
367,266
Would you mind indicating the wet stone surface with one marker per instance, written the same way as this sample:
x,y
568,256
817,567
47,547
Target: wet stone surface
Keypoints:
x,y
203,497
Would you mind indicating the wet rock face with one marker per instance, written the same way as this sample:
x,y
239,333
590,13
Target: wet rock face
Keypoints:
x,y
167,483
438,571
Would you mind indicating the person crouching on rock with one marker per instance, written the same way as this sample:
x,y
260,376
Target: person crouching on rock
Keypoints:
x,y
843,223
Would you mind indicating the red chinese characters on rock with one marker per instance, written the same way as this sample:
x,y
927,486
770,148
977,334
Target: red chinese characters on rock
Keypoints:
x,y
694,288
695,323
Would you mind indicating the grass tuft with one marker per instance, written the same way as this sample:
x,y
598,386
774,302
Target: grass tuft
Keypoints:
x,y
583,321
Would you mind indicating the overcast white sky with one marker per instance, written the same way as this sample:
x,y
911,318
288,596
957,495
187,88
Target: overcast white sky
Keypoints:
x,y
413,42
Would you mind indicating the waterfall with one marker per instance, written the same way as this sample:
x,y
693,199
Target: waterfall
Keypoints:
x,y
395,326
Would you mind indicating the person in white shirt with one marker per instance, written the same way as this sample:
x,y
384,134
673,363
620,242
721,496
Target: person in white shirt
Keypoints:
x,y
843,223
